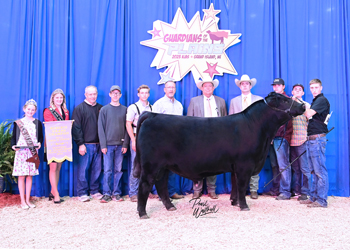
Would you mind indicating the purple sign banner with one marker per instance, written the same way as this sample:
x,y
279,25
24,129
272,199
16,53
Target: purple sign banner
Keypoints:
x,y
59,141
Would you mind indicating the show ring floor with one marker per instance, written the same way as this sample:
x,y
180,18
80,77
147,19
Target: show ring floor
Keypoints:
x,y
270,224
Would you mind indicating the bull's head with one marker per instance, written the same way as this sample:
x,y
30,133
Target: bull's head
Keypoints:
x,y
284,104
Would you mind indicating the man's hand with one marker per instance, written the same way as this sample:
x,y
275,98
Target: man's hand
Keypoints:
x,y
104,151
82,150
124,150
13,147
39,144
134,145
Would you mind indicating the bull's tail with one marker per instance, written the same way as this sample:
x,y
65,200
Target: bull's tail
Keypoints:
x,y
137,165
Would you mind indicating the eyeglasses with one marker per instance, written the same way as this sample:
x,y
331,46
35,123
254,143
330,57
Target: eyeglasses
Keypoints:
x,y
170,87
115,94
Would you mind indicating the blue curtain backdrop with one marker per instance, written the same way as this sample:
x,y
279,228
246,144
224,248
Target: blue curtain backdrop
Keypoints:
x,y
70,44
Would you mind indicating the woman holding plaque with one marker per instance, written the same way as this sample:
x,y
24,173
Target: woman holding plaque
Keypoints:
x,y
27,136
57,111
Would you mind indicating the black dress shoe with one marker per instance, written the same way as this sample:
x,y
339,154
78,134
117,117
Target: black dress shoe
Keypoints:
x,y
51,197
58,202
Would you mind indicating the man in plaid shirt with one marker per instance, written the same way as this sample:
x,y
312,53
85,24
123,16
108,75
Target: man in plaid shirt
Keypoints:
x,y
297,147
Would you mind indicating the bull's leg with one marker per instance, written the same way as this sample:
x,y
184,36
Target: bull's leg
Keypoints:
x,y
162,190
243,176
145,187
234,190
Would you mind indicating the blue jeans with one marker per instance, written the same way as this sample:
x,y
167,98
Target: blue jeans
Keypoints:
x,y
283,161
112,163
134,182
275,171
91,159
316,150
301,171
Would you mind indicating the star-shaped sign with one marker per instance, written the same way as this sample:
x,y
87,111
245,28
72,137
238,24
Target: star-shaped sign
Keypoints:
x,y
211,70
155,32
211,12
165,78
197,46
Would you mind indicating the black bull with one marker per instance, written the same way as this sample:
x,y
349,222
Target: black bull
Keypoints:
x,y
195,147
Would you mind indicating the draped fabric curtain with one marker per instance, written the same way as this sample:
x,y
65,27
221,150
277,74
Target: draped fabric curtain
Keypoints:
x,y
69,44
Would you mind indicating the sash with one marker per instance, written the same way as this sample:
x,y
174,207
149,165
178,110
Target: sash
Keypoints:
x,y
35,157
55,114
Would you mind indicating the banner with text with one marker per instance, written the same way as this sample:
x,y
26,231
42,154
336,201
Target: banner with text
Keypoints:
x,y
58,141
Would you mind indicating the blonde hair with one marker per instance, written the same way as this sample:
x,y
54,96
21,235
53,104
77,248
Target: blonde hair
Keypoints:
x,y
143,87
63,105
316,81
31,102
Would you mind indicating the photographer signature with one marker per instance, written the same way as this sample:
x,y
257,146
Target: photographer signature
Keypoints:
x,y
202,208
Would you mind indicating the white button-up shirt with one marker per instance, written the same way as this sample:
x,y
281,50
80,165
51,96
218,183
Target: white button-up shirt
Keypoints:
x,y
167,106
214,109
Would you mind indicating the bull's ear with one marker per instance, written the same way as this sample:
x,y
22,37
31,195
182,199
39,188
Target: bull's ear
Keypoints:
x,y
271,93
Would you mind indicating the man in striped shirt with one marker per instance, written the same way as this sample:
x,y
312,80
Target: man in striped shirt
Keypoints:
x,y
300,184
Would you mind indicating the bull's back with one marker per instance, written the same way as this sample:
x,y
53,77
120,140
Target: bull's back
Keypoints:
x,y
196,140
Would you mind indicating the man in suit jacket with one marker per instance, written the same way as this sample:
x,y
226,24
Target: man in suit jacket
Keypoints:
x,y
240,103
207,105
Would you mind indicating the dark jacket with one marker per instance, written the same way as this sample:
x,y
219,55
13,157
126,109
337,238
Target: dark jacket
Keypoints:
x,y
16,132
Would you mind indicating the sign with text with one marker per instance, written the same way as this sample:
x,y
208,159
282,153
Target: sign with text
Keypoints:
x,y
58,141
198,46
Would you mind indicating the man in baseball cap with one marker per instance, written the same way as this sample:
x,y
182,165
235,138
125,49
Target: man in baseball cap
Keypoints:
x,y
114,141
279,152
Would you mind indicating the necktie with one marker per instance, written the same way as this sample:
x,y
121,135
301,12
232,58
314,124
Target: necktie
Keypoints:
x,y
209,109
245,103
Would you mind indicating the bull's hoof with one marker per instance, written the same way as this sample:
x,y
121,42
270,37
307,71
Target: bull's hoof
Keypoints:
x,y
144,217
172,209
245,209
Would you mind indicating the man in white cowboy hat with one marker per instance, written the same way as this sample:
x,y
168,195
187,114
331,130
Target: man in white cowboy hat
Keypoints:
x,y
240,103
207,105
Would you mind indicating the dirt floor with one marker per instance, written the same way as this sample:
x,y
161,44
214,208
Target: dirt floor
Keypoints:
x,y
270,224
